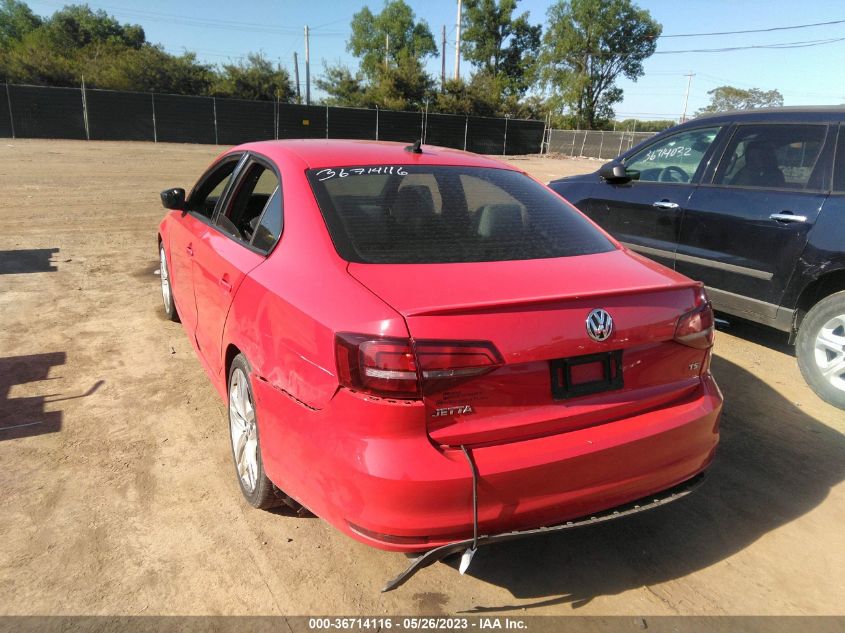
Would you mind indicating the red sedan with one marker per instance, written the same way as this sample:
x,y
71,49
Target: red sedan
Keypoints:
x,y
424,346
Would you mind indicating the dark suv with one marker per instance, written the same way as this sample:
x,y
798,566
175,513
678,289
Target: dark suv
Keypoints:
x,y
751,203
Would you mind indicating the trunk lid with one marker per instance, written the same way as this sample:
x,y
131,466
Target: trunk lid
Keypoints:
x,y
535,312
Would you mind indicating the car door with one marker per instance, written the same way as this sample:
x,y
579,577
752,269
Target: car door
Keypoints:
x,y
228,249
645,213
185,231
743,231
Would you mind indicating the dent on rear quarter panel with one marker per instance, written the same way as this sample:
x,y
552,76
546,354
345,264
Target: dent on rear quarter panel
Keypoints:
x,y
286,312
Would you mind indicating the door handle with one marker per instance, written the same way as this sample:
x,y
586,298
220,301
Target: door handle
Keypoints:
x,y
224,283
665,204
189,250
788,217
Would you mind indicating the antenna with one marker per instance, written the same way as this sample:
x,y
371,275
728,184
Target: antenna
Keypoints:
x,y
415,148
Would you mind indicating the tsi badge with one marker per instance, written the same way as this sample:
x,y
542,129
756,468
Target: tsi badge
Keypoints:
x,y
599,325
459,410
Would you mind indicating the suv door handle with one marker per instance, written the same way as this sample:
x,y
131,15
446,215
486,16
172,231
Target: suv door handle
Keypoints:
x,y
787,217
665,204
224,283
189,250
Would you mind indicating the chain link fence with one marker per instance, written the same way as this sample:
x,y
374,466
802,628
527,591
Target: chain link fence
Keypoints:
x,y
594,143
93,114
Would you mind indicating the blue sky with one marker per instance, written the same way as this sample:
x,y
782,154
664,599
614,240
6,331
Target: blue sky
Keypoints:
x,y
222,30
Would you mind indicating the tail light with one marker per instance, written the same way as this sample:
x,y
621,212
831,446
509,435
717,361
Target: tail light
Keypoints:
x,y
392,367
696,328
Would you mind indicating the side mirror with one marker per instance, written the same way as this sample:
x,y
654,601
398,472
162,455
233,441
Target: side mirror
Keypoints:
x,y
614,171
173,198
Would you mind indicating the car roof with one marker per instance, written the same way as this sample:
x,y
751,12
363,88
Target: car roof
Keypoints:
x,y
786,114
319,153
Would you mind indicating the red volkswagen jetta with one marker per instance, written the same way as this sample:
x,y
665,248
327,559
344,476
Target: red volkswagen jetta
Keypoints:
x,y
422,345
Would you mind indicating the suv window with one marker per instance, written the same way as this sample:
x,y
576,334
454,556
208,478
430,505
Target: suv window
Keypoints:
x,y
839,163
207,192
674,159
254,213
485,215
772,156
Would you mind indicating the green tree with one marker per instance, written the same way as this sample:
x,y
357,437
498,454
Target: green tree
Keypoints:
x,y
342,87
499,44
588,44
16,20
255,78
731,98
396,25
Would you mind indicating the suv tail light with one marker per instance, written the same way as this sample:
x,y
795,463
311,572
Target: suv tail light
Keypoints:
x,y
392,367
696,328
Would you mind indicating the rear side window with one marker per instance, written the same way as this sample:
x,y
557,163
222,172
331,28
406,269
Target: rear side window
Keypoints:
x,y
433,214
773,157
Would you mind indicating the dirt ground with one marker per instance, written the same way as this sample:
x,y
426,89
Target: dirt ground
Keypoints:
x,y
118,495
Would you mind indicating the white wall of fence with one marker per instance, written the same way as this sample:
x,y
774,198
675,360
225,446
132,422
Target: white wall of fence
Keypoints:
x,y
593,143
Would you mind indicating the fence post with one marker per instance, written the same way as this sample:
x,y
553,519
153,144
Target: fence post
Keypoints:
x,y
9,101
214,107
601,144
376,122
276,118
327,121
85,111
584,142
621,140
155,132
466,129
574,134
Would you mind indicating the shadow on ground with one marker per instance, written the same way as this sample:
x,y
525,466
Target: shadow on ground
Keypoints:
x,y
30,260
775,463
26,416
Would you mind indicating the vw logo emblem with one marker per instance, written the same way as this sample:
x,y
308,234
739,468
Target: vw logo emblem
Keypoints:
x,y
599,325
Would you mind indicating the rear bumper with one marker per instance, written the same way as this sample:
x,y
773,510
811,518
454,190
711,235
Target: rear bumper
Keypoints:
x,y
373,473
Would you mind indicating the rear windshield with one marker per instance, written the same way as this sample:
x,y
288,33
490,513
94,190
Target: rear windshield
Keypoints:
x,y
424,214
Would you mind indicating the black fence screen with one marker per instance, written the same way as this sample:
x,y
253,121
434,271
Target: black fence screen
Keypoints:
x,y
180,119
524,137
485,136
400,126
120,116
352,123
302,121
46,112
239,121
5,115
446,130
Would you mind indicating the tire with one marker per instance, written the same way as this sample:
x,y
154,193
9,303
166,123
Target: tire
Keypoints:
x,y
821,349
257,489
166,286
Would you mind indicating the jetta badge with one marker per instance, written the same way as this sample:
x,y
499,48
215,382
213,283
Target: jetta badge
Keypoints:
x,y
599,325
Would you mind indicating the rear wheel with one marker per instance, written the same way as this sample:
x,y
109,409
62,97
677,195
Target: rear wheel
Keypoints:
x,y
243,430
821,349
166,288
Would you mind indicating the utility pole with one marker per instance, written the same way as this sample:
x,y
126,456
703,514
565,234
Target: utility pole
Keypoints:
x,y
458,44
386,51
307,70
296,76
689,77
443,61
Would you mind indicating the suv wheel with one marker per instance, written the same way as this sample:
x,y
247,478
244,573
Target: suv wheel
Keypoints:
x,y
821,349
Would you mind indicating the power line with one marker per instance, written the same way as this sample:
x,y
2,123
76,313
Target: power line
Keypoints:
x,y
778,46
769,30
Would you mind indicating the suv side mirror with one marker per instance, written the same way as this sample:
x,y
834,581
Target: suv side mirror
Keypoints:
x,y
173,198
614,171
